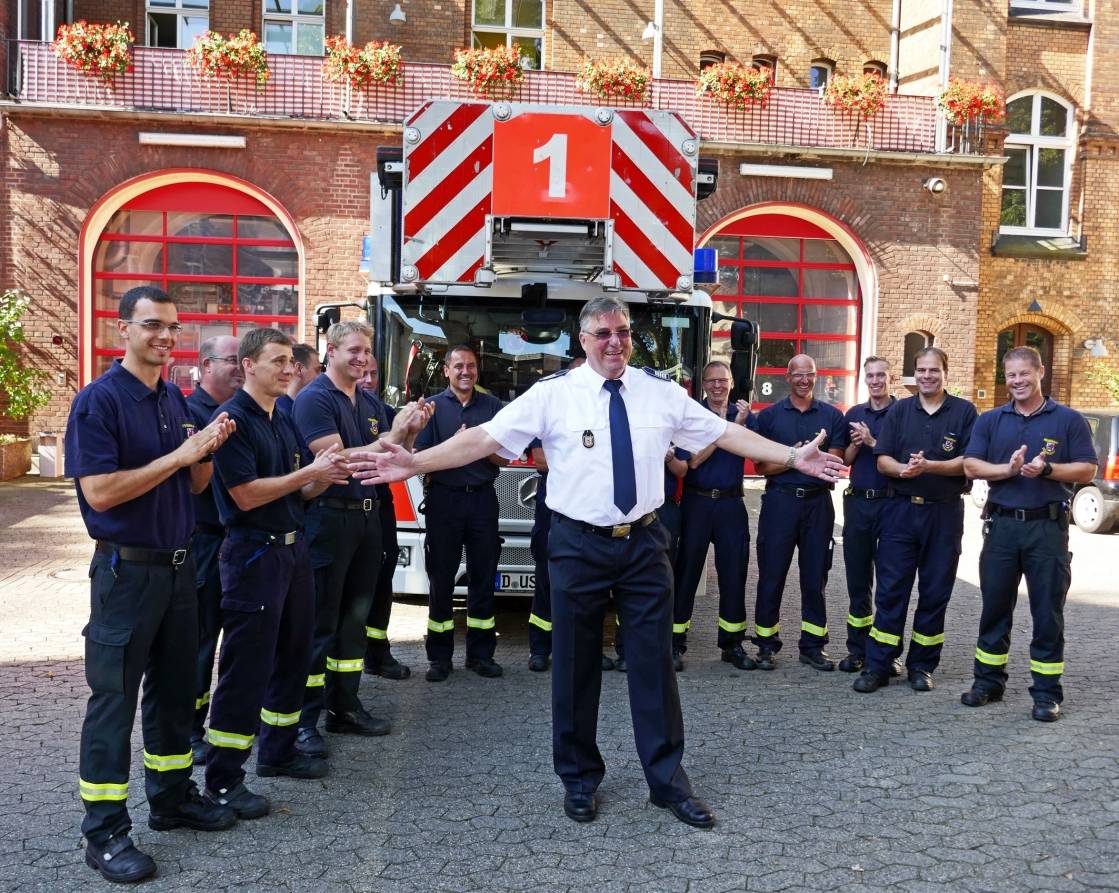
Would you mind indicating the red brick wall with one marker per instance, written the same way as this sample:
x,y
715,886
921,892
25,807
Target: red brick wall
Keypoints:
x,y
433,31
131,11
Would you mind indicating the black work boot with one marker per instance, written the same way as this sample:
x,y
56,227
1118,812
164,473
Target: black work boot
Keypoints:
x,y
193,812
119,861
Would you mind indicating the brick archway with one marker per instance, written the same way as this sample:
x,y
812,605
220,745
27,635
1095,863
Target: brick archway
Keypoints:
x,y
1060,323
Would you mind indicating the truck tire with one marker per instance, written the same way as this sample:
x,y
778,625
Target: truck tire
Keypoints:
x,y
1091,512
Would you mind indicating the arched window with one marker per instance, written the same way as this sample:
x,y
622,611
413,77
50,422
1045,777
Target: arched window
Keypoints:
x,y
711,57
915,342
765,62
1035,178
873,66
820,73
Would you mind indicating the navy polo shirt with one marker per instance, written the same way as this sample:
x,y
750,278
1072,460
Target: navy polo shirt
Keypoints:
x,y
786,424
450,415
118,423
721,470
942,435
202,408
284,403
1057,432
671,482
263,446
864,470
322,409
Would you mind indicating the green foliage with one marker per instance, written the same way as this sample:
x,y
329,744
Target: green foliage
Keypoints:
x,y
1108,376
24,388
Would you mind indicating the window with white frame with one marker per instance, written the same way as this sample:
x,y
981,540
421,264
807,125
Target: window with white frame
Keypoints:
x,y
873,66
175,23
711,57
1047,5
295,27
765,62
820,73
1035,178
499,23
915,342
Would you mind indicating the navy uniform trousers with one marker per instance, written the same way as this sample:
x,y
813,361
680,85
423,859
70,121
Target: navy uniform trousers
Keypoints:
x,y
459,517
721,521
1037,549
586,568
862,525
143,625
380,610
922,541
205,545
268,605
790,522
346,557
540,615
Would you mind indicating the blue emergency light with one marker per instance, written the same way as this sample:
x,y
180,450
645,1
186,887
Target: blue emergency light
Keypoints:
x,y
706,266
366,252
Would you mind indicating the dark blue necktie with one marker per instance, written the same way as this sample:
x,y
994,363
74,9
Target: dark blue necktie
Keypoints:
x,y
621,450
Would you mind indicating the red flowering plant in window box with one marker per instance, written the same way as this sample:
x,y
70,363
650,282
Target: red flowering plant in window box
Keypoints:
x,y
104,51
614,80
230,58
378,62
492,72
735,85
862,93
965,101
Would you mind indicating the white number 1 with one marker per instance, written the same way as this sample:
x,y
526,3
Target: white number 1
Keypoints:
x,y
555,152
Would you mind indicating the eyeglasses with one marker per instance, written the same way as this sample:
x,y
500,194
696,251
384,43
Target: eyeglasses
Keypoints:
x,y
155,326
716,381
802,376
232,360
605,334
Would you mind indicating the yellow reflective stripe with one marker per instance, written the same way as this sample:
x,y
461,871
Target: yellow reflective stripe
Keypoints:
x,y
732,627
859,622
884,638
201,702
1055,669
230,739
444,626
94,792
372,632
480,622
545,625
679,628
617,620
278,719
168,763
922,639
994,660
344,666
807,627
316,681
766,631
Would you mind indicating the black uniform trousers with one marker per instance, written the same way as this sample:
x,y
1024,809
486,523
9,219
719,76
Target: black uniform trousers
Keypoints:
x,y
862,524
922,541
540,614
205,545
669,517
1038,550
346,557
268,605
722,522
790,522
586,568
143,625
377,623
458,518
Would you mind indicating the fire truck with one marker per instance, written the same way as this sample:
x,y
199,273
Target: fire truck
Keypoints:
x,y
493,225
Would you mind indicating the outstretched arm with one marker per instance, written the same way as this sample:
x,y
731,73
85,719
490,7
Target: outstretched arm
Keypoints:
x,y
807,459
396,463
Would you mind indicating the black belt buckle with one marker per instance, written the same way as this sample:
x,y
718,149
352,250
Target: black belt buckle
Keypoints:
x,y
367,505
801,492
1019,515
715,494
178,557
917,500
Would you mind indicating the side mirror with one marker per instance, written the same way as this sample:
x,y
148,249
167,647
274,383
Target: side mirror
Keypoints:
x,y
327,317
744,341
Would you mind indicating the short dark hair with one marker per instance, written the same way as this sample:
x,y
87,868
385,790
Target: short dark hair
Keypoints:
x,y
1030,354
305,353
935,351
134,296
255,340
459,347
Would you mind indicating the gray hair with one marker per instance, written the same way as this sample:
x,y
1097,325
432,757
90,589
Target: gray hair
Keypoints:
x,y
601,307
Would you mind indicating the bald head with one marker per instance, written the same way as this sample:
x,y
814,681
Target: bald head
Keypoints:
x,y
800,363
220,371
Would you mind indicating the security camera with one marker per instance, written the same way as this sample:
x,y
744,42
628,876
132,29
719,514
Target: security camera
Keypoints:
x,y
935,185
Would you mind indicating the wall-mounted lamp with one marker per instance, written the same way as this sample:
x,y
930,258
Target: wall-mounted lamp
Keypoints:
x,y
650,31
935,185
397,16
1095,347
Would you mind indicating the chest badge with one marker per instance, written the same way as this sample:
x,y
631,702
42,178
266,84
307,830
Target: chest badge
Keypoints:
x,y
295,461
1049,446
374,427
188,429
588,439
948,444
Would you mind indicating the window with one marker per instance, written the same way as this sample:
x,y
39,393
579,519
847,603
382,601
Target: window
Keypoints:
x,y
875,67
506,22
175,23
820,73
1047,5
763,62
1036,176
711,57
915,342
294,27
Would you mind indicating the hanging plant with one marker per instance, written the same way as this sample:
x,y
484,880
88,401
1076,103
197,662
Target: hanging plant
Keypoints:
x,y
862,93
378,62
104,51
492,73
966,101
735,86
239,55
612,80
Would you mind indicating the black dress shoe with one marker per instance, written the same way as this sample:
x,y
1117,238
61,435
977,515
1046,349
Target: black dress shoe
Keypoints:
x,y
580,807
920,680
607,664
387,669
119,861
356,722
244,803
692,811
735,655
852,663
817,660
979,697
620,665
485,667
310,743
299,766
1046,711
869,681
765,660
677,661
193,812
538,663
438,672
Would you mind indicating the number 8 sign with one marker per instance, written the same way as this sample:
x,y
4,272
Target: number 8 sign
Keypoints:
x,y
558,164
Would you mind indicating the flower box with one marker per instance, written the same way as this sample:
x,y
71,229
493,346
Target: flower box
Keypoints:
x,y
614,80
864,93
230,58
492,73
735,86
378,62
103,51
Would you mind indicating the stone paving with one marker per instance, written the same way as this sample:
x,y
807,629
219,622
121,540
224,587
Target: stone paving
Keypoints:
x,y
817,788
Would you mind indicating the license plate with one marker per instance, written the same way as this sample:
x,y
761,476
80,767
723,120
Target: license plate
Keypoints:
x,y
515,582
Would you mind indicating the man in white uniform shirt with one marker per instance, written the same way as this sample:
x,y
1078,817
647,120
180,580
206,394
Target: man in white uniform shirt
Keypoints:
x,y
605,428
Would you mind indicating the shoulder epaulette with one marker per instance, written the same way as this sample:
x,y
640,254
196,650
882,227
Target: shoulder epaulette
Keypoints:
x,y
650,371
559,374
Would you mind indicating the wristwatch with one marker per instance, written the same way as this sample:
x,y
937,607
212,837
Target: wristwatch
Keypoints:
x,y
209,457
1046,469
791,459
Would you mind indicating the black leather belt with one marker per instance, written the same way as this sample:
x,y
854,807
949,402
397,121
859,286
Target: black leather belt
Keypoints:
x,y
615,531
207,527
349,505
798,492
925,500
168,557
1050,512
264,536
468,488
716,494
866,494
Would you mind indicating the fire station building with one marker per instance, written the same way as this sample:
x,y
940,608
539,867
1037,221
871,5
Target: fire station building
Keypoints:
x,y
841,237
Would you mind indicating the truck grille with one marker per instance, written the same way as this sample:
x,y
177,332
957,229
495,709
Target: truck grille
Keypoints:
x,y
511,557
508,486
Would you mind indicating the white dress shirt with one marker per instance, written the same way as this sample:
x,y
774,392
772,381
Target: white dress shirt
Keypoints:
x,y
570,413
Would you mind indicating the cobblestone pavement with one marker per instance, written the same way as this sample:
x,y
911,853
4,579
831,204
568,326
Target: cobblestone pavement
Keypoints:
x,y
817,788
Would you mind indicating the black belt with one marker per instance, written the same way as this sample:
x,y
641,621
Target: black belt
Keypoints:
x,y
866,494
349,505
615,531
1050,512
468,488
207,527
715,493
924,500
264,536
168,557
798,492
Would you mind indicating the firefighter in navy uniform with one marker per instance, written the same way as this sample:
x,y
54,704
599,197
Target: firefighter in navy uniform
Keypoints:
x,y
136,458
797,512
712,513
1031,450
863,499
221,377
921,449
264,474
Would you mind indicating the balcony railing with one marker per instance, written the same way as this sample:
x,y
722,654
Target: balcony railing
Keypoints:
x,y
164,82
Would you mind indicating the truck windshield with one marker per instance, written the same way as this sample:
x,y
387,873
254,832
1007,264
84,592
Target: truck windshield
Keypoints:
x,y
517,345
